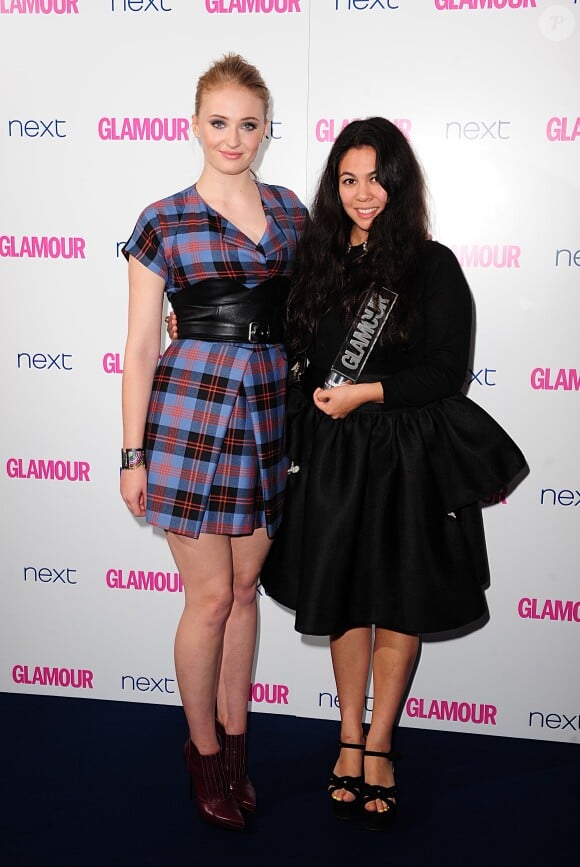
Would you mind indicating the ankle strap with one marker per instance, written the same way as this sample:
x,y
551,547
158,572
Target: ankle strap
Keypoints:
x,y
380,755
342,745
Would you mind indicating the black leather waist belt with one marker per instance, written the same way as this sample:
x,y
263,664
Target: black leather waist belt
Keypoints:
x,y
254,331
224,309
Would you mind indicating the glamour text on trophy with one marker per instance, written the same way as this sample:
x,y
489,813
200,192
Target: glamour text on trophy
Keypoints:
x,y
361,338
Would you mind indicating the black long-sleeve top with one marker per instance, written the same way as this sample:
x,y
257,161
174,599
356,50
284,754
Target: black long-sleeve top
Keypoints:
x,y
433,364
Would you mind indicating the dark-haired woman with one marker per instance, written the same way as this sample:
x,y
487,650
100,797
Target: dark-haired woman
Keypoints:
x,y
382,537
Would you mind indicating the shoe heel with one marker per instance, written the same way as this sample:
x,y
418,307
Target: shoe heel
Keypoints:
x,y
235,751
212,792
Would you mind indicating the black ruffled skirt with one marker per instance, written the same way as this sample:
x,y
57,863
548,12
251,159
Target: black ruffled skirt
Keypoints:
x,y
382,518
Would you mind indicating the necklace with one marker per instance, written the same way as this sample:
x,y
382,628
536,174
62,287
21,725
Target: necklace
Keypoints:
x,y
363,245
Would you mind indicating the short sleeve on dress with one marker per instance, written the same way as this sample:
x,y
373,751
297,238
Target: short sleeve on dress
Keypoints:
x,y
145,243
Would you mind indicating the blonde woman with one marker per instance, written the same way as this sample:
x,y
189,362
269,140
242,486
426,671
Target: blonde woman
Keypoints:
x,y
203,429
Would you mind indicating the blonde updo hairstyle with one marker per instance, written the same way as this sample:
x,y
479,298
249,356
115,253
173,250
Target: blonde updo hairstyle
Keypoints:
x,y
230,70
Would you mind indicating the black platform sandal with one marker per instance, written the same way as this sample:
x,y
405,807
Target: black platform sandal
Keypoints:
x,y
346,809
378,820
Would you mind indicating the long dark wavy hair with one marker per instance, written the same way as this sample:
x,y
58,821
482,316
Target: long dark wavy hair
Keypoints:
x,y
395,243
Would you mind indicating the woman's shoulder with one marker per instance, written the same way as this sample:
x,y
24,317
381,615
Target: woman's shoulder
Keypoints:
x,y
172,204
437,252
440,259
442,273
280,195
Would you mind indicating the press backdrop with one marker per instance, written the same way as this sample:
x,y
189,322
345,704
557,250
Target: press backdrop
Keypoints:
x,y
94,125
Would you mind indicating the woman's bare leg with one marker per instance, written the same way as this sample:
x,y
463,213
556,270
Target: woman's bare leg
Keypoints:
x,y
351,655
394,655
206,568
249,553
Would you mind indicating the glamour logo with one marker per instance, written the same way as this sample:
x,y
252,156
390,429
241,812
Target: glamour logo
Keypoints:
x,y
44,675
563,129
365,5
366,332
474,130
139,6
549,609
476,5
138,579
112,362
39,7
143,128
568,257
452,711
554,721
242,7
49,575
38,468
140,683
563,497
271,693
35,128
546,379
488,255
328,128
42,361
42,247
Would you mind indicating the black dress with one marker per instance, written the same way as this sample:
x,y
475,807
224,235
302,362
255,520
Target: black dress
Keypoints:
x,y
382,520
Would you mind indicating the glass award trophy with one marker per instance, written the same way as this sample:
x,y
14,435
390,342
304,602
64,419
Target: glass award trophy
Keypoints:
x,y
361,338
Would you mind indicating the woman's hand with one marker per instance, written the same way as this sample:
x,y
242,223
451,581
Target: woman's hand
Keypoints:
x,y
339,401
171,320
134,490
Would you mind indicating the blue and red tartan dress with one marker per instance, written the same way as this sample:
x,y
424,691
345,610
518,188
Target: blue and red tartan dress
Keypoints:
x,y
214,436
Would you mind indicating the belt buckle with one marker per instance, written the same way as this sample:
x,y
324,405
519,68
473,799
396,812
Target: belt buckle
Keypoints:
x,y
258,333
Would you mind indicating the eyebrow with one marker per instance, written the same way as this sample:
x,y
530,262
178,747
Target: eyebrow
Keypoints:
x,y
352,174
224,117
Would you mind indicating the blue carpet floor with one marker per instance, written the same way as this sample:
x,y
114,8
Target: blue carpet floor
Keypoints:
x,y
87,783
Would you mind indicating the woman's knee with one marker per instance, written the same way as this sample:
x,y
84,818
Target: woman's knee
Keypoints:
x,y
212,607
245,588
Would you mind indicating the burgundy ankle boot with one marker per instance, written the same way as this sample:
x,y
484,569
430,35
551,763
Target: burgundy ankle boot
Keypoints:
x,y
235,750
213,793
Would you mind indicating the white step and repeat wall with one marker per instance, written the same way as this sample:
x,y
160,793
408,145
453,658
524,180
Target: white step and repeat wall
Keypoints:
x,y
94,125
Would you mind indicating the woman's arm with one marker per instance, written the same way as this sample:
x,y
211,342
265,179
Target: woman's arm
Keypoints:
x,y
446,313
141,356
439,365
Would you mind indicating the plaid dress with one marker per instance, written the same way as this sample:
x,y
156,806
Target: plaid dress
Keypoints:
x,y
215,425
